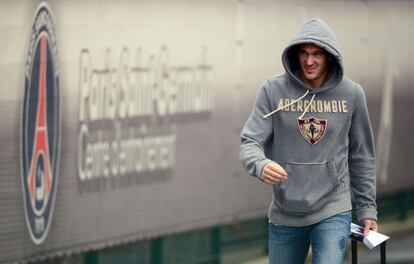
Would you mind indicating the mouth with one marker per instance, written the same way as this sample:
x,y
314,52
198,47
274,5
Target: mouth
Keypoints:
x,y
309,71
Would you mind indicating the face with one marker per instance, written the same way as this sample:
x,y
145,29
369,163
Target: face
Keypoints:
x,y
313,62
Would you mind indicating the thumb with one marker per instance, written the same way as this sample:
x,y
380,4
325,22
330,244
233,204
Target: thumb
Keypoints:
x,y
366,229
370,224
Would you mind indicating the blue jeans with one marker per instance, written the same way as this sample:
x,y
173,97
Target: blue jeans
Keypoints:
x,y
328,238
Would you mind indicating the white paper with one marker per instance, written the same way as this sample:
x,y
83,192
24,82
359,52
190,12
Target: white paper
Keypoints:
x,y
373,238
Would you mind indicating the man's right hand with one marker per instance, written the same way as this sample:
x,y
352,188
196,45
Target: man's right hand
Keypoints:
x,y
273,173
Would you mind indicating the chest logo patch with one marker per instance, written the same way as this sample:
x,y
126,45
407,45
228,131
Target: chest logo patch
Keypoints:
x,y
312,129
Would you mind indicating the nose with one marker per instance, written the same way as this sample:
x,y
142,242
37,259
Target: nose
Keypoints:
x,y
309,60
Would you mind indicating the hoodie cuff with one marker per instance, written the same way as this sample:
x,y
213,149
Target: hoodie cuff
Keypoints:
x,y
368,213
259,167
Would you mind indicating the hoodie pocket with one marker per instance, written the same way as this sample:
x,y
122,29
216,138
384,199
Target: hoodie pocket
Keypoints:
x,y
307,187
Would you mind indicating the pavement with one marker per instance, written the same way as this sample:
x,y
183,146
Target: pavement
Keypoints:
x,y
400,246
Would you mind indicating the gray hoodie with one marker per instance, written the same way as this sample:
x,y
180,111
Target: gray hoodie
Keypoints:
x,y
323,140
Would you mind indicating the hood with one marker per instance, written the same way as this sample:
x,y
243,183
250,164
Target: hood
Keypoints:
x,y
315,31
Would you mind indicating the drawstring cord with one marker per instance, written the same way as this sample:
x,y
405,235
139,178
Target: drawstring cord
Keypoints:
x,y
291,103
307,107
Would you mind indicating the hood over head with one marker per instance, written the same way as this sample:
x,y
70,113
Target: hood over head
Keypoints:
x,y
317,32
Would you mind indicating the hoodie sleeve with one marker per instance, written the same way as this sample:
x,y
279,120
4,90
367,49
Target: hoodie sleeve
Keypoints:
x,y
256,133
362,160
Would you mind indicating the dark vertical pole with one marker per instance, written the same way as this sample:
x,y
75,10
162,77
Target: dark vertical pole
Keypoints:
x,y
354,251
216,245
266,227
383,251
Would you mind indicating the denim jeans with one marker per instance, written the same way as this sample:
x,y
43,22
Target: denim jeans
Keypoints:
x,y
328,239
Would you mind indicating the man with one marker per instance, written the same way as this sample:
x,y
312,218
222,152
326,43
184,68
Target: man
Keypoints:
x,y
309,136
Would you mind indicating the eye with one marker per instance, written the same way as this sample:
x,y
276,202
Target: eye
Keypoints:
x,y
319,54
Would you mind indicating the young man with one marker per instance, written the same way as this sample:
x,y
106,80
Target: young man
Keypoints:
x,y
309,136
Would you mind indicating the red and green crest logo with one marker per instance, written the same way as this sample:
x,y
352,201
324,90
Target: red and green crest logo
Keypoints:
x,y
312,129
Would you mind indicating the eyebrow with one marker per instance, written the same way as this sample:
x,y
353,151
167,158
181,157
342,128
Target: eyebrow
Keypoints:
x,y
319,50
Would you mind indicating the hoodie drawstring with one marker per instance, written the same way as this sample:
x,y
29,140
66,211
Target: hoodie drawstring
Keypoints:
x,y
307,107
291,103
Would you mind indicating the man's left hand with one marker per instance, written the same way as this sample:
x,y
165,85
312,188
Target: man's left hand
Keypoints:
x,y
369,224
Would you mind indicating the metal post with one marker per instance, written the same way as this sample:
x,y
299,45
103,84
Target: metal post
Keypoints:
x,y
354,251
266,227
383,250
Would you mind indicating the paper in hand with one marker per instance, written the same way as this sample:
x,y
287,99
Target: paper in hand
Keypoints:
x,y
373,238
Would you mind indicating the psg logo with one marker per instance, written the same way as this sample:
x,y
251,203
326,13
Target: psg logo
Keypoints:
x,y
40,126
